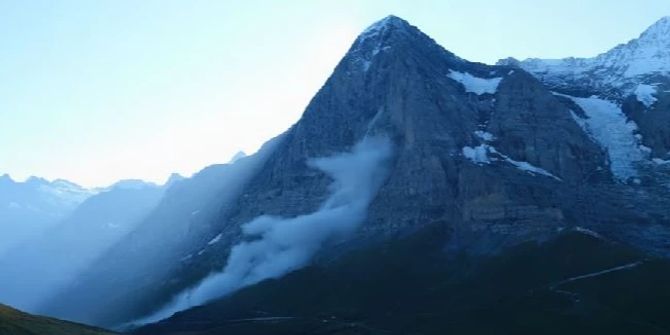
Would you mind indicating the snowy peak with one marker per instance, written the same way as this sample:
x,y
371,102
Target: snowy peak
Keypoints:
x,y
380,38
66,189
648,54
59,187
388,23
659,31
65,184
391,37
623,67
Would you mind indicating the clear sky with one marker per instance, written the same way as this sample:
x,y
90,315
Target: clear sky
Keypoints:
x,y
97,91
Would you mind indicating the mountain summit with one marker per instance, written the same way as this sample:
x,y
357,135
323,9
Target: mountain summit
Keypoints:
x,y
391,37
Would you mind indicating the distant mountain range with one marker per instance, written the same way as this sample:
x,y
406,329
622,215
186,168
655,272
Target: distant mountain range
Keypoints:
x,y
29,208
418,193
37,267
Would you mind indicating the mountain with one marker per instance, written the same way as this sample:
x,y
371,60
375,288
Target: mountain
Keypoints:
x,y
14,322
36,268
29,208
405,138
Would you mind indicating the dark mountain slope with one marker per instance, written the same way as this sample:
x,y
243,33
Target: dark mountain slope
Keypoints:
x,y
411,286
14,322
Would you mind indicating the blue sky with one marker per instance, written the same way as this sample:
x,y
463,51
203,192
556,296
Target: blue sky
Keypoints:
x,y
97,91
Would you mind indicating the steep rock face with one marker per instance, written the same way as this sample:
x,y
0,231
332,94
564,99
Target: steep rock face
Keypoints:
x,y
536,127
653,118
395,81
621,99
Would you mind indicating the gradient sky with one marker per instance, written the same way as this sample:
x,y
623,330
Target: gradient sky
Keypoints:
x,y
97,91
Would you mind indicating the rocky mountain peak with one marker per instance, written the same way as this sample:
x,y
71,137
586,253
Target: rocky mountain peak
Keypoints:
x,y
239,155
389,22
174,178
392,37
647,54
659,31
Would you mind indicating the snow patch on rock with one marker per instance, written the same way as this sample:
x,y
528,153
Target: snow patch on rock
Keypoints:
x,y
485,154
612,130
478,154
215,240
588,232
474,84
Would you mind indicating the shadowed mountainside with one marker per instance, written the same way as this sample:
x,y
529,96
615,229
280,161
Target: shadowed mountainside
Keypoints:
x,y
15,322
574,284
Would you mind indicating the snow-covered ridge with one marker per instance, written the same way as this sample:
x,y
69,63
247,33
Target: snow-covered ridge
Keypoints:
x,y
67,190
474,84
621,67
59,190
